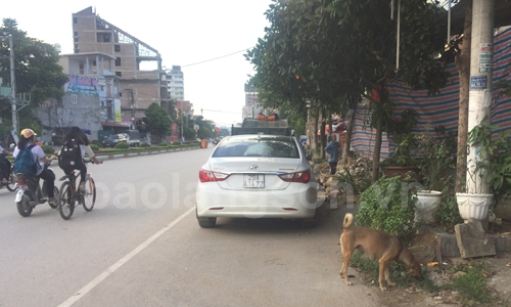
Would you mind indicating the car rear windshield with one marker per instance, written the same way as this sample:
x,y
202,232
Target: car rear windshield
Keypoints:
x,y
257,147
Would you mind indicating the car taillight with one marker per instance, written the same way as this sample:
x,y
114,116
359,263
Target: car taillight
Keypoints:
x,y
208,176
303,177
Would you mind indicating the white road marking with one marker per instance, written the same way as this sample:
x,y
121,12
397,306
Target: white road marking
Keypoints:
x,y
96,281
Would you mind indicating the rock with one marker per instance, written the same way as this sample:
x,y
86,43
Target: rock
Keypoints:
x,y
423,253
459,274
473,241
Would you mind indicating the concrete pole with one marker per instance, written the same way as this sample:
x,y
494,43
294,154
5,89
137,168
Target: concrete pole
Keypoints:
x,y
480,95
13,88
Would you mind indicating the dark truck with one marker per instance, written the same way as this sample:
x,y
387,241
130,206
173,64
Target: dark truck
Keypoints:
x,y
255,126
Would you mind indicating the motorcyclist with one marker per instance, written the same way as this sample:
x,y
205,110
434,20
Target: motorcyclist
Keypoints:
x,y
27,138
5,165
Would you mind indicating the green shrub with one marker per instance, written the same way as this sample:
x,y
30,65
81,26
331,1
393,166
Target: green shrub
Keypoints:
x,y
389,206
144,145
48,149
163,144
472,287
122,145
94,147
359,183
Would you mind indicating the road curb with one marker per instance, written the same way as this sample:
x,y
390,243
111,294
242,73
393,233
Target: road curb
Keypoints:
x,y
146,153
449,245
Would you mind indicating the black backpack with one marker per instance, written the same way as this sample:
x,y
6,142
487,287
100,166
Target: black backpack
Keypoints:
x,y
70,155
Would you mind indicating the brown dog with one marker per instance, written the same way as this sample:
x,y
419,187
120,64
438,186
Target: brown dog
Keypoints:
x,y
379,245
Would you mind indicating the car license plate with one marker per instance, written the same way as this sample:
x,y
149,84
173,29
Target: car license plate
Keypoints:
x,y
253,181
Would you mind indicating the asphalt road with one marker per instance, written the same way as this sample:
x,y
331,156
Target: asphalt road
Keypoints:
x,y
142,246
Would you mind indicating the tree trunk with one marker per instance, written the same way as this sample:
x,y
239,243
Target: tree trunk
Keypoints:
x,y
463,64
315,132
377,148
323,137
347,138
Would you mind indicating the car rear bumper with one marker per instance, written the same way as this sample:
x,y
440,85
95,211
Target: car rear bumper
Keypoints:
x,y
215,202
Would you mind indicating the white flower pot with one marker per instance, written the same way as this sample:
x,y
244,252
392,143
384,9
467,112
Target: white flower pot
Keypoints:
x,y
427,204
474,206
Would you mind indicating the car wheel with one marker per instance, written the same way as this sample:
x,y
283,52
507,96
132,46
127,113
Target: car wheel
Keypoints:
x,y
207,222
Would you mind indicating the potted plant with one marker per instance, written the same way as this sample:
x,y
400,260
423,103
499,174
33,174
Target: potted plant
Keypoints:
x,y
492,167
437,160
402,163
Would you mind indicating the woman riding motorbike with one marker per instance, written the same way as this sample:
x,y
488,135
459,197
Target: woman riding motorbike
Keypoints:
x,y
27,138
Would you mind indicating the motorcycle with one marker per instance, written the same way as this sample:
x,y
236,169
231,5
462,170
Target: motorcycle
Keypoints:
x,y
11,185
30,193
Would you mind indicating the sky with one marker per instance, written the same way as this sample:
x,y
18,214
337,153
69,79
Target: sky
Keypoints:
x,y
183,31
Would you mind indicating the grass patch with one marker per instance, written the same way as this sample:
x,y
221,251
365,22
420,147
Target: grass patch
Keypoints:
x,y
472,287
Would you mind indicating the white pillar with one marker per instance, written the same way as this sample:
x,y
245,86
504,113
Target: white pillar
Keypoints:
x,y
480,95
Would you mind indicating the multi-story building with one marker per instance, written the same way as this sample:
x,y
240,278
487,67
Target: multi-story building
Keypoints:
x,y
138,88
252,106
175,79
91,99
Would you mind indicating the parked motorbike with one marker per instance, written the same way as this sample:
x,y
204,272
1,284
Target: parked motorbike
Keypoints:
x,y
11,185
30,193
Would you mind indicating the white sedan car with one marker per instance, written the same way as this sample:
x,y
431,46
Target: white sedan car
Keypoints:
x,y
256,176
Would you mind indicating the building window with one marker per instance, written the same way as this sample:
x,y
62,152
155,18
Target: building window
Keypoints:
x,y
118,74
76,39
117,48
102,88
81,69
76,48
75,20
93,63
75,33
118,61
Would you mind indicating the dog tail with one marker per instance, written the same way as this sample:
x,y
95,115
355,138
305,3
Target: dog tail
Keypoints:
x,y
348,219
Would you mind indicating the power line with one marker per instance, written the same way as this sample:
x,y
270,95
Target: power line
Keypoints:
x,y
213,59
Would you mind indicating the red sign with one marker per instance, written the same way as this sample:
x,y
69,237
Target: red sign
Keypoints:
x,y
217,129
174,127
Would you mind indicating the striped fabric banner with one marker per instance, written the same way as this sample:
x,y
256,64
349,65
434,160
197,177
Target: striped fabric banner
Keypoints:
x,y
439,109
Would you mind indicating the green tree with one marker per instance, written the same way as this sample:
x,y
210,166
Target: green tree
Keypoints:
x,y
371,36
332,52
36,64
37,72
158,121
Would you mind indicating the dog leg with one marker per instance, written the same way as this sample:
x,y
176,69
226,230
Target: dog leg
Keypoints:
x,y
387,278
381,274
344,271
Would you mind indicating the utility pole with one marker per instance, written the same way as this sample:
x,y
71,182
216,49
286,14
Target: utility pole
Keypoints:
x,y
13,85
480,94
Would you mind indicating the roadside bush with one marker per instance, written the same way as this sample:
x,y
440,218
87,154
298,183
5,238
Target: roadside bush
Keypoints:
x,y
94,147
122,145
163,144
389,206
472,287
48,149
144,145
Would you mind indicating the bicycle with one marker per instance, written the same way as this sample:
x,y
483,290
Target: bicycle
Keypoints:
x,y
69,194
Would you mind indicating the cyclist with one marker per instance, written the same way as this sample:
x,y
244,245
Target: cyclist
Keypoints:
x,y
5,165
75,135
27,138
